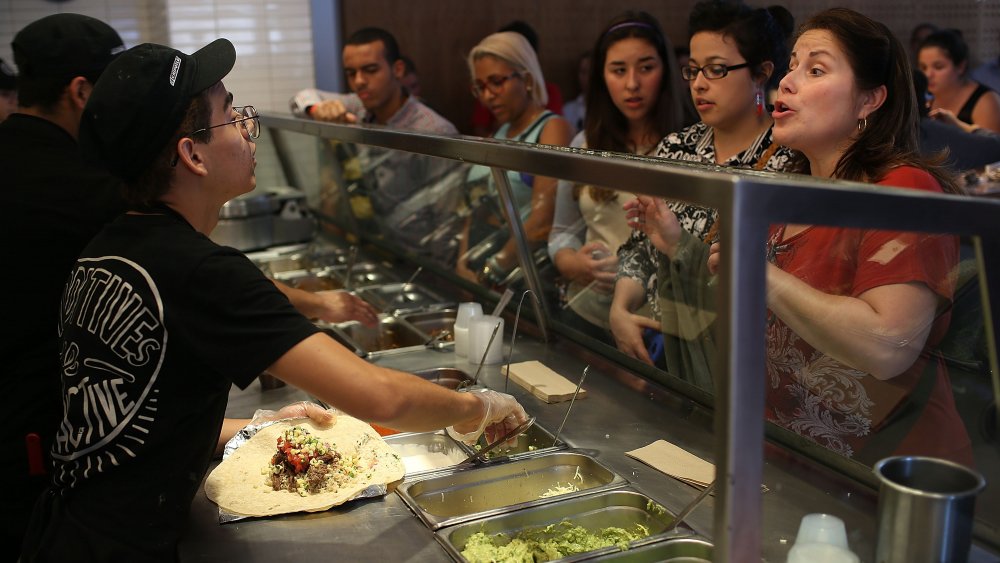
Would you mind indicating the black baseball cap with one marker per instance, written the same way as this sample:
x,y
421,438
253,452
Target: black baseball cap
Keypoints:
x,y
64,46
8,80
141,99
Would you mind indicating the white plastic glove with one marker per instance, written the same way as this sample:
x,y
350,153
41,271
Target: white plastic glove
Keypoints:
x,y
302,409
502,413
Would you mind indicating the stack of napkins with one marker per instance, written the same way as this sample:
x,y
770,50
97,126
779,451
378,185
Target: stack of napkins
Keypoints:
x,y
544,383
676,462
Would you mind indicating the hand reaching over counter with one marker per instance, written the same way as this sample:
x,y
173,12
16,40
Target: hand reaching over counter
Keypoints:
x,y
501,414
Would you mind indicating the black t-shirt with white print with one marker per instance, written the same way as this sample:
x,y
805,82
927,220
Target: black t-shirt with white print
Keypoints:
x,y
156,323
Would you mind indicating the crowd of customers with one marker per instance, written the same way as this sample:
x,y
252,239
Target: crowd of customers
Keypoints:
x,y
837,97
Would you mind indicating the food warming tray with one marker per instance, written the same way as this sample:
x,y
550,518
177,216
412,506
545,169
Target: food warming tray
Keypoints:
x,y
311,280
391,334
400,297
426,452
431,323
306,260
467,494
364,274
452,378
620,508
343,340
676,550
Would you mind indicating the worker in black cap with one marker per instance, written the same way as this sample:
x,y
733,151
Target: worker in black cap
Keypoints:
x,y
54,202
8,90
157,322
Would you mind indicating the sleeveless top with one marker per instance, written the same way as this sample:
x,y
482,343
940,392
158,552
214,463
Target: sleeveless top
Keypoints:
x,y
965,114
520,183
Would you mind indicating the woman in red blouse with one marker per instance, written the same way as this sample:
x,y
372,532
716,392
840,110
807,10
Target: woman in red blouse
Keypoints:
x,y
853,313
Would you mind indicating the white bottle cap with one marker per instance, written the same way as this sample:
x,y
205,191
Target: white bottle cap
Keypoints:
x,y
822,538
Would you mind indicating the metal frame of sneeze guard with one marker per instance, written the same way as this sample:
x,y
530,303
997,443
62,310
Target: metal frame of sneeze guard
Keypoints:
x,y
748,202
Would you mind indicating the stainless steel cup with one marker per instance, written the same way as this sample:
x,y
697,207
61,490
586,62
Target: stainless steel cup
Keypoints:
x,y
925,509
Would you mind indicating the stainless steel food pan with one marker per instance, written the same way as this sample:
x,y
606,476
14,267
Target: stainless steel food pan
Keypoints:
x,y
677,550
432,323
536,441
391,334
619,508
400,297
426,452
306,260
341,338
364,274
311,280
466,494
452,378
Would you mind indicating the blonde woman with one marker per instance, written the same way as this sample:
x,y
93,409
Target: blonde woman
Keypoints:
x,y
508,80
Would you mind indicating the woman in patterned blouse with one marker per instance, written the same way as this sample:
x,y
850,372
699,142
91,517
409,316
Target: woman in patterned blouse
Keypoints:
x,y
733,53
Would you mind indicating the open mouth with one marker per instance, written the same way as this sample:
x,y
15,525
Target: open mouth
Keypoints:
x,y
781,109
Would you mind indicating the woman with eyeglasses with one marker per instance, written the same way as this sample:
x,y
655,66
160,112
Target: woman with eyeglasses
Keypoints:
x,y
507,79
733,53
632,103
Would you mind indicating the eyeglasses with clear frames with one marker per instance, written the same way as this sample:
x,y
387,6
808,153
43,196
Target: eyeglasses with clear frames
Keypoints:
x,y
494,84
712,71
249,119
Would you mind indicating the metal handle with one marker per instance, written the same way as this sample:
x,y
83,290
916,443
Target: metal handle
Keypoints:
x,y
513,334
486,352
573,400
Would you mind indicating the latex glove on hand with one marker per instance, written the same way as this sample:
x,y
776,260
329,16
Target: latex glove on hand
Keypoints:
x,y
302,409
501,414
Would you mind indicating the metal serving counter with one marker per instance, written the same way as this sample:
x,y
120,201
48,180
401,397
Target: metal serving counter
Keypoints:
x,y
621,412
626,407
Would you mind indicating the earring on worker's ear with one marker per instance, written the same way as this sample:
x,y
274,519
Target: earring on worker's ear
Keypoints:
x,y
758,100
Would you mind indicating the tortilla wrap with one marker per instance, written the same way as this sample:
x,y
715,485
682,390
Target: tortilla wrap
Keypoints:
x,y
239,484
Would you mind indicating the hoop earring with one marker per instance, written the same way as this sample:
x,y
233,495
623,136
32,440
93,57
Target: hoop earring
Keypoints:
x,y
862,124
758,100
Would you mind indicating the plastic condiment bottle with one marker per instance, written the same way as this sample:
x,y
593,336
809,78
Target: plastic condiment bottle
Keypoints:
x,y
822,538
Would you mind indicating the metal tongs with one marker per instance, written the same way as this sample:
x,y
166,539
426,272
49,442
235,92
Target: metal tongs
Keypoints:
x,y
687,510
436,340
479,456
